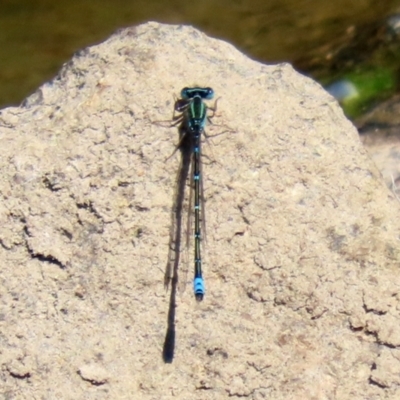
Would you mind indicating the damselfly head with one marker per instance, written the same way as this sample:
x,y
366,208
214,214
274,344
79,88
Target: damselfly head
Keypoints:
x,y
204,93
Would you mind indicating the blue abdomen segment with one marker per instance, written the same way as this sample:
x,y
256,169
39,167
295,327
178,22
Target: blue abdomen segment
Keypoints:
x,y
199,288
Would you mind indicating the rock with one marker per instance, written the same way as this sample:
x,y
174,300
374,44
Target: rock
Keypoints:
x,y
95,374
302,253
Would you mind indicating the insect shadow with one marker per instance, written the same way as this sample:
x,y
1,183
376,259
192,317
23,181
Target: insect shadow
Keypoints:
x,y
175,243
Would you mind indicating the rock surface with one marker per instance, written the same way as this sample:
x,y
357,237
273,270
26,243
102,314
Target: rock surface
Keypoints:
x,y
302,262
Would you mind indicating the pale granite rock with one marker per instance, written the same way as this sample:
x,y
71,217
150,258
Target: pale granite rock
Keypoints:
x,y
302,261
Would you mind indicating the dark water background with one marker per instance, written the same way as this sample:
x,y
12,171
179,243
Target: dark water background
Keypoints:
x,y
38,36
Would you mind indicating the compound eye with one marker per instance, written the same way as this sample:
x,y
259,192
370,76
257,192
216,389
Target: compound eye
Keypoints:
x,y
185,93
209,93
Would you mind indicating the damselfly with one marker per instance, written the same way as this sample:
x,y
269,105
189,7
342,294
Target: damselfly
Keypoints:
x,y
193,117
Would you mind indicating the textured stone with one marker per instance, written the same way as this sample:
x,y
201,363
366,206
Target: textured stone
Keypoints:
x,y
302,261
